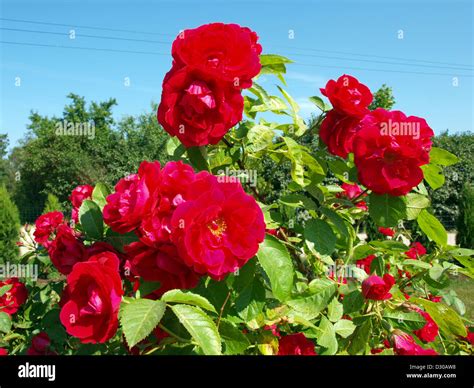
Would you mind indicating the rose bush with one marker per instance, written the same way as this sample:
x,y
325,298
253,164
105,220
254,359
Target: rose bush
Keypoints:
x,y
182,258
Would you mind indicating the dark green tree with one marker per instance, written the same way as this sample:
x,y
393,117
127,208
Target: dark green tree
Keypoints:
x,y
465,236
9,227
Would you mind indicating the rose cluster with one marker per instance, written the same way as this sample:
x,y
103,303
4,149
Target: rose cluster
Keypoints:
x,y
389,147
186,225
202,93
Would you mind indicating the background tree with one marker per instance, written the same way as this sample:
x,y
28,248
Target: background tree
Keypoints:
x,y
465,236
9,227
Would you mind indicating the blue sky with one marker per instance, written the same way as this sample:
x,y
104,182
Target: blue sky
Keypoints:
x,y
437,45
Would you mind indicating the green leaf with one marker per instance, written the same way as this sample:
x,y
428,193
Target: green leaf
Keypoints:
x,y
360,338
171,145
336,220
118,241
198,158
344,327
449,322
386,210
318,101
99,194
272,59
259,137
295,154
276,262
235,342
433,229
91,220
442,157
200,326
411,321
186,297
327,337
334,310
353,302
415,204
310,305
4,289
433,174
5,322
319,233
139,317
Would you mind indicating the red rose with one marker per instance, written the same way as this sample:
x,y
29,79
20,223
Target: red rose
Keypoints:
x,y
161,264
175,178
365,263
387,231
470,336
377,288
46,225
348,96
389,149
198,108
352,191
416,250
405,345
12,300
3,352
66,250
429,331
337,132
295,345
133,199
219,227
40,345
226,51
92,299
435,299
79,195
274,329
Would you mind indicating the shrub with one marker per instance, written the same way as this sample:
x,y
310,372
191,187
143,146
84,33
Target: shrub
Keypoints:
x,y
9,226
465,237
52,204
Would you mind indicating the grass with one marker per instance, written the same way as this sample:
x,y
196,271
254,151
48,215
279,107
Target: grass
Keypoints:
x,y
464,288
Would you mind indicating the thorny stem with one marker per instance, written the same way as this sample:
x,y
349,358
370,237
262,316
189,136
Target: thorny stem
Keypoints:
x,y
221,312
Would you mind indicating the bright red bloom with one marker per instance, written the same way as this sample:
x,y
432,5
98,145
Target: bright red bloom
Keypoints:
x,y
274,329
429,331
175,177
470,336
46,225
12,300
226,51
337,132
40,344
3,352
348,96
79,195
435,299
389,149
405,345
387,231
134,198
66,250
416,250
91,302
219,227
198,108
161,264
352,191
295,345
377,288
365,263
